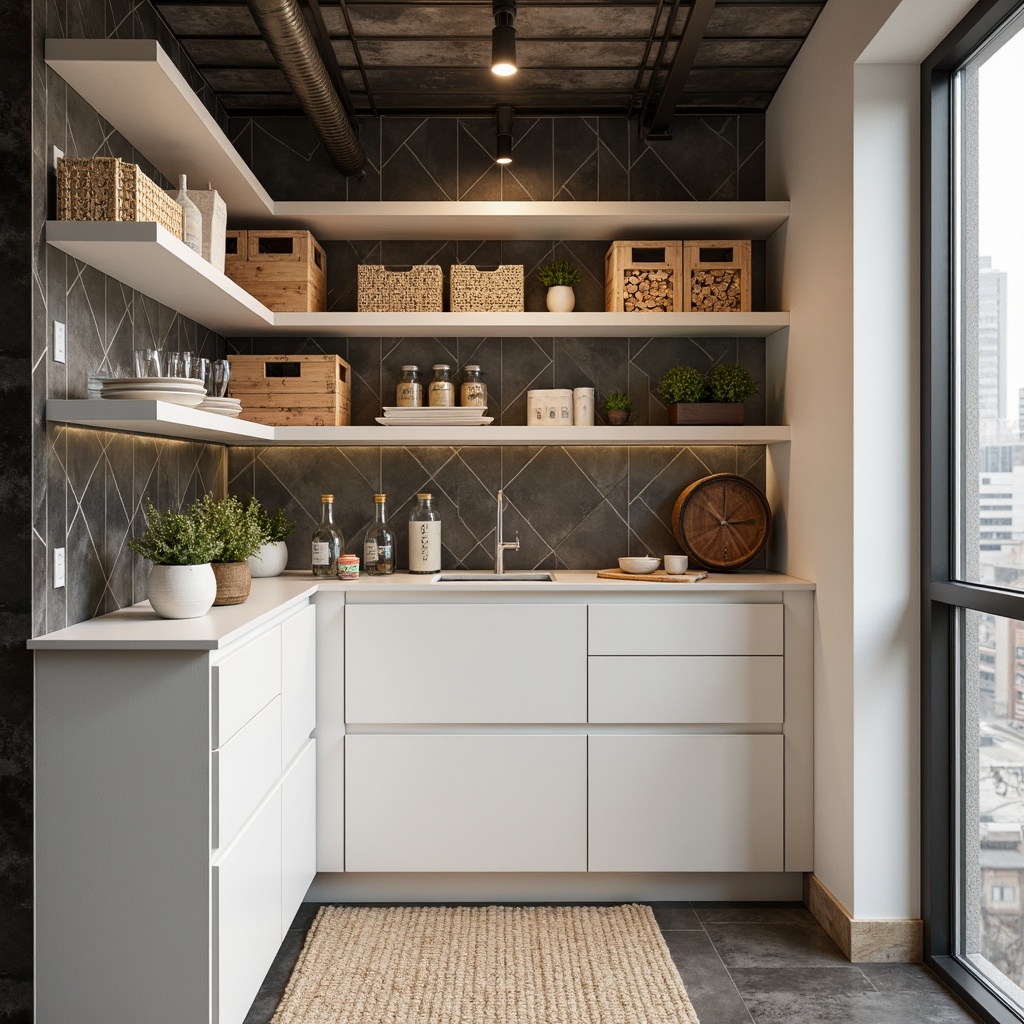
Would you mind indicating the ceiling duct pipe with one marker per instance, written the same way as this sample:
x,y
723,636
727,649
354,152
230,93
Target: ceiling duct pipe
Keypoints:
x,y
285,30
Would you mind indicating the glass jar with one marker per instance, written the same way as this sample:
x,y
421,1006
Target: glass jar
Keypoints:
x,y
409,393
328,542
348,567
474,390
379,543
424,536
442,390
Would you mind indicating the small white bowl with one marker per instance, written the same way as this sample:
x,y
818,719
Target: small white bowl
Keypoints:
x,y
639,564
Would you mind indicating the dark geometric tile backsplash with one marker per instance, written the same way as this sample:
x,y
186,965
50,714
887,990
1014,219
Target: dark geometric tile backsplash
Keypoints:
x,y
577,507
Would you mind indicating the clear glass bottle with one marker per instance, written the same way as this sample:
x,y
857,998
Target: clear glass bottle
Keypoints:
x,y
328,541
379,543
193,218
442,390
474,390
424,536
409,392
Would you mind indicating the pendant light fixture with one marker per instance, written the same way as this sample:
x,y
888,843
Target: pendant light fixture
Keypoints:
x,y
503,145
503,38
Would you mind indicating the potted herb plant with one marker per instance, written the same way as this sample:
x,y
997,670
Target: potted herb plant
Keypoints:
x,y
715,398
271,557
617,408
182,584
559,277
238,533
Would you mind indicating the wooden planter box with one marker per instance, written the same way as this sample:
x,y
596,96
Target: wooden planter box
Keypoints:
x,y
643,277
716,277
709,414
293,391
285,270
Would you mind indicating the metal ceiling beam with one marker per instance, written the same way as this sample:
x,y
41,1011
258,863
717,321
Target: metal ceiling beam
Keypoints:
x,y
682,63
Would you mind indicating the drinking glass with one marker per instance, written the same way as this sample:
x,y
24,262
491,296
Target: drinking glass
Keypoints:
x,y
148,362
221,375
201,369
181,364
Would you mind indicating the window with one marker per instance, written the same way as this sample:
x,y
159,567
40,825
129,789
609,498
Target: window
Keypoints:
x,y
1004,893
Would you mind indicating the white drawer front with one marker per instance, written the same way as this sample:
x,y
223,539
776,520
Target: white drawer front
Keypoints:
x,y
245,682
465,663
244,769
686,803
247,913
298,681
298,833
684,629
465,803
695,690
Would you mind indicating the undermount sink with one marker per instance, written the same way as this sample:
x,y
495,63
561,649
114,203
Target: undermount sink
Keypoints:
x,y
490,577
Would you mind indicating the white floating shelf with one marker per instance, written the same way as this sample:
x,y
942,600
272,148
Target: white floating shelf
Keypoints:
x,y
162,419
147,258
135,85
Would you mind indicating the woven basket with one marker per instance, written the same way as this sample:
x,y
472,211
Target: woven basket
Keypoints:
x,y
487,291
416,290
109,188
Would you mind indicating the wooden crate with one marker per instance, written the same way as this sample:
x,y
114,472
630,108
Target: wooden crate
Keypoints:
x,y
643,277
293,391
285,270
716,277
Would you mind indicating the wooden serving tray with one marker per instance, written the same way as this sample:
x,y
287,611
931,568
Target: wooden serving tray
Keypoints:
x,y
658,576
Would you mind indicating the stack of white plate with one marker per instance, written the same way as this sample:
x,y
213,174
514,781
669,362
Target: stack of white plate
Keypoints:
x,y
177,390
223,406
456,416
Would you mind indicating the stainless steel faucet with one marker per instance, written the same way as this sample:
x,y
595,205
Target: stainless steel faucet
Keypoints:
x,y
500,546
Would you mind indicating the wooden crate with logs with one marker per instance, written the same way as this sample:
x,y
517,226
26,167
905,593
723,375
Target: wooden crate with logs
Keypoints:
x,y
716,277
643,277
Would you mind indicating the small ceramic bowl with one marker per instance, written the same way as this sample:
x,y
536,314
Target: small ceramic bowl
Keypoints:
x,y
639,564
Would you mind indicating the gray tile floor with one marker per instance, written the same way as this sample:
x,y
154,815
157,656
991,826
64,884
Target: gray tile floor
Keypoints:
x,y
741,963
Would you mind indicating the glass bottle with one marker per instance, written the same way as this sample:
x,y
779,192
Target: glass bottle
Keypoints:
x,y
442,390
328,542
424,536
409,392
379,544
193,218
474,390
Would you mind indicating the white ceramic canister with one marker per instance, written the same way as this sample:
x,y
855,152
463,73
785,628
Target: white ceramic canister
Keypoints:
x,y
583,407
558,408
535,408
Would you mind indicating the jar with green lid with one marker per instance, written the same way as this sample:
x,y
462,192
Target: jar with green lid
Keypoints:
x,y
474,390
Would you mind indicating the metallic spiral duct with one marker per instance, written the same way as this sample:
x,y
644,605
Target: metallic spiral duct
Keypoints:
x,y
285,30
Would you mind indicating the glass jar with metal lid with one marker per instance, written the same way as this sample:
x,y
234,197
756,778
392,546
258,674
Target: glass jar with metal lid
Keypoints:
x,y
409,393
474,390
442,390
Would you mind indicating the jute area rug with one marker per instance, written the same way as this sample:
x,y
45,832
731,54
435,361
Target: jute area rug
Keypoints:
x,y
485,965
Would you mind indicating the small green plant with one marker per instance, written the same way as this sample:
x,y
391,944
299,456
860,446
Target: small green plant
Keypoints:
x,y
275,527
618,401
729,382
558,272
236,528
682,384
175,538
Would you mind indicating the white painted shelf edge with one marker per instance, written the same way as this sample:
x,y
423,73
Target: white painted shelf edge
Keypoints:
x,y
147,258
162,419
126,80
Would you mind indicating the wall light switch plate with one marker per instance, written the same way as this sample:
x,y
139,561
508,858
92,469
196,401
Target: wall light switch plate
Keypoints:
x,y
57,154
58,568
59,342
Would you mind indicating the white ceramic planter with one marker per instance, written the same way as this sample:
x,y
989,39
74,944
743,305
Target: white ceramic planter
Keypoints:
x,y
270,560
182,591
561,299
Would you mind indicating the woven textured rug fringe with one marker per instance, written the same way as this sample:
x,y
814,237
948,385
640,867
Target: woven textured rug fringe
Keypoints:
x,y
485,965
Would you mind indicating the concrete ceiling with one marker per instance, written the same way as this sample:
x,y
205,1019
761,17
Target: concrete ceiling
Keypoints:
x,y
577,57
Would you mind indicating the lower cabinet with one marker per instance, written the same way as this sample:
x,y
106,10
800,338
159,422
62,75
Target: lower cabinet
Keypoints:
x,y
486,802
686,803
298,833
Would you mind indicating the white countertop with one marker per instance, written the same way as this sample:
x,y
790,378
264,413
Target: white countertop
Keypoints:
x,y
139,627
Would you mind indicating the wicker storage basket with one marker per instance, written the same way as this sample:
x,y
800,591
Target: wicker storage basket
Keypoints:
x,y
716,276
487,291
285,270
109,188
643,277
416,290
293,391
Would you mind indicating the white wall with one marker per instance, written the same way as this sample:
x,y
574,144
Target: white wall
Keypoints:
x,y
842,147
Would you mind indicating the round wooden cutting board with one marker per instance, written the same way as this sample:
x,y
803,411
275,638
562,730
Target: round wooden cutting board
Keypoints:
x,y
722,521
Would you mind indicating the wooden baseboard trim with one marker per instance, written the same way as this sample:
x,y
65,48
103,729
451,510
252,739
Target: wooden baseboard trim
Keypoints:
x,y
863,941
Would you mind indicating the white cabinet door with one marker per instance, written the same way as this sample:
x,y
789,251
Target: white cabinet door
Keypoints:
x,y
686,803
466,663
466,803
247,912
244,682
298,832
298,681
